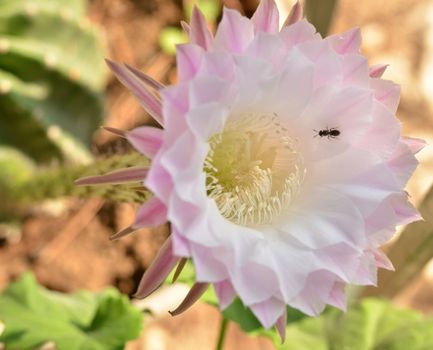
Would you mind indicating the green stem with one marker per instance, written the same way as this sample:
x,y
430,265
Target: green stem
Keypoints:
x,y
58,182
222,334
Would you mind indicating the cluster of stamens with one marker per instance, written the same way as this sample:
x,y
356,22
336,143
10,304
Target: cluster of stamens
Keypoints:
x,y
253,170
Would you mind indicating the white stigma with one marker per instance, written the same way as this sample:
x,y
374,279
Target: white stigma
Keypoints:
x,y
253,170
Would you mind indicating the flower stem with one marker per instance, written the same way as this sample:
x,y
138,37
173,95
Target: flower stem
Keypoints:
x,y
222,334
58,181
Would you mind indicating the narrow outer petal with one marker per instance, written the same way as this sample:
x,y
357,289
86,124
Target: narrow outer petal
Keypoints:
x,y
234,32
146,139
225,293
377,70
188,58
146,99
193,295
151,214
348,42
152,83
268,311
266,17
158,271
200,33
281,326
295,15
132,174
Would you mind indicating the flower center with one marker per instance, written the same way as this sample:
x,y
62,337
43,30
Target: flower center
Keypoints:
x,y
253,170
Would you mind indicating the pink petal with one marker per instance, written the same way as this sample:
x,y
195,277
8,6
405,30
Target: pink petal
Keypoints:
x,y
415,145
180,244
268,47
382,260
327,62
207,265
377,70
386,92
268,311
405,212
355,71
158,271
136,86
281,324
383,135
295,15
225,293
131,174
188,57
326,219
218,64
200,33
146,139
234,33
266,17
152,83
298,32
337,296
206,88
193,295
208,119
313,298
153,213
346,43
402,163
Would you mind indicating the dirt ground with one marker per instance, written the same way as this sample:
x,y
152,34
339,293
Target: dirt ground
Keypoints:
x,y
71,250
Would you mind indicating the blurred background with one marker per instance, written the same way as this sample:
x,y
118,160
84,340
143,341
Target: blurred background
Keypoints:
x,y
55,92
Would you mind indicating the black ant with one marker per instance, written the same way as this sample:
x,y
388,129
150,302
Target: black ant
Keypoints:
x,y
329,133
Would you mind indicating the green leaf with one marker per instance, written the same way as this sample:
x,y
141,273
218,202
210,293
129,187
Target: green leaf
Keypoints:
x,y
372,324
52,74
368,323
33,315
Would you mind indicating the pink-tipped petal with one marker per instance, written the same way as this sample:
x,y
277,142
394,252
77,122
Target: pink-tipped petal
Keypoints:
x,y
193,295
268,311
158,271
188,58
386,92
136,86
200,33
337,297
151,214
179,268
132,174
225,293
377,70
382,260
348,42
266,17
281,326
152,83
123,233
415,145
234,32
295,14
146,139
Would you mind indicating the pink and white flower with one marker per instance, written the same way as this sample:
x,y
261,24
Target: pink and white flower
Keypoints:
x,y
280,165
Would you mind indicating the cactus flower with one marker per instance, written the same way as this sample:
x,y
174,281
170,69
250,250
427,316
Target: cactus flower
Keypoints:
x,y
280,164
